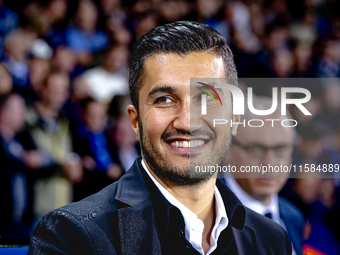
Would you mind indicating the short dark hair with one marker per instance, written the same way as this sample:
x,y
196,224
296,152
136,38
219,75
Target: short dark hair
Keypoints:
x,y
181,37
85,103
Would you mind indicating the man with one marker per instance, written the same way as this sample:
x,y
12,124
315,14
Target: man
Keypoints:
x,y
50,130
21,163
156,208
91,144
268,145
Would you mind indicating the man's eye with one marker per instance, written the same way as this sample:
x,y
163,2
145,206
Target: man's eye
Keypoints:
x,y
209,98
163,100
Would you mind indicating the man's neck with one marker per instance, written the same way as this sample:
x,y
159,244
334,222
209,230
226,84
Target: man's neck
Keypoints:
x,y
46,111
265,200
197,198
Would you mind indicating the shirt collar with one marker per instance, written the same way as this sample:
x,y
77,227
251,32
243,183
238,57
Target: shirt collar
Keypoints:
x,y
193,224
219,205
254,204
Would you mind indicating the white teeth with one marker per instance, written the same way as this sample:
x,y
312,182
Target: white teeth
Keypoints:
x,y
186,144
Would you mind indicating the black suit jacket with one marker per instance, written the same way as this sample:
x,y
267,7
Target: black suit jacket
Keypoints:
x,y
120,219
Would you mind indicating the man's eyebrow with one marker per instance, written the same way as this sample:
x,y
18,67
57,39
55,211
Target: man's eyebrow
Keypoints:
x,y
163,88
203,86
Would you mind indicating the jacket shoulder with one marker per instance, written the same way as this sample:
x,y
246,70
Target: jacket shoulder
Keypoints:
x,y
79,228
289,208
271,237
59,231
95,205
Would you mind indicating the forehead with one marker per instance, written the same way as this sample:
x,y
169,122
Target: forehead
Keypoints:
x,y
95,106
175,69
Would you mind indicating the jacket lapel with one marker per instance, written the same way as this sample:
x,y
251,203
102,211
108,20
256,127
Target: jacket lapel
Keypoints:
x,y
138,231
243,234
290,223
136,220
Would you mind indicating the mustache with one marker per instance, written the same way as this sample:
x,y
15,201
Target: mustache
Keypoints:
x,y
184,134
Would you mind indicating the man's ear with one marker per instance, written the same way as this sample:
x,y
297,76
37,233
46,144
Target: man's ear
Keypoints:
x,y
134,119
236,119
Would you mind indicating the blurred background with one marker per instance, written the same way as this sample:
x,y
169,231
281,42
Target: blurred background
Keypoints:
x,y
64,129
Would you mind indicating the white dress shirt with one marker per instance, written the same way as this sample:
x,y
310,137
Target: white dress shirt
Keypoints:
x,y
193,225
256,205
103,86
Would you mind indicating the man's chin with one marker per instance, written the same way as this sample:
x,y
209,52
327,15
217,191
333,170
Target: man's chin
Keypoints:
x,y
176,174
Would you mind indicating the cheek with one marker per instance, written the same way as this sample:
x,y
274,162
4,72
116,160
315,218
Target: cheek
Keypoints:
x,y
155,123
280,183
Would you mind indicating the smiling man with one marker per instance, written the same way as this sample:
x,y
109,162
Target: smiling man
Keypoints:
x,y
157,207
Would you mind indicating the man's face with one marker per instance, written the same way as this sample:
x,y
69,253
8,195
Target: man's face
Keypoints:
x,y
95,116
255,138
173,135
13,114
56,91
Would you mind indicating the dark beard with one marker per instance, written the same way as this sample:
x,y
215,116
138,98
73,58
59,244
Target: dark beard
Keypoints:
x,y
171,174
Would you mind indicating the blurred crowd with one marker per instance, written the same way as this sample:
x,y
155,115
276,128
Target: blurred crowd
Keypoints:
x,y
64,129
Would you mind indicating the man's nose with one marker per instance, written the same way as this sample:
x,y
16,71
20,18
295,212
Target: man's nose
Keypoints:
x,y
270,157
188,118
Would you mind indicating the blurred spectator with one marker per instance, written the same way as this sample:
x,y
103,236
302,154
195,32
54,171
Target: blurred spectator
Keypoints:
x,y
50,130
20,161
64,60
91,144
173,10
304,31
328,65
283,63
80,91
267,145
43,15
17,45
257,19
118,108
84,38
6,82
39,68
123,143
111,8
113,15
302,58
121,36
145,24
110,79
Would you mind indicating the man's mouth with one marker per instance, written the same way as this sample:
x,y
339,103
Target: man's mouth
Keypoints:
x,y
188,144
